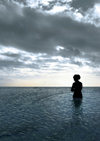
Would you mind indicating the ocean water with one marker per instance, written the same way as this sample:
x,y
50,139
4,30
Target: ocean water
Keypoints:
x,y
49,114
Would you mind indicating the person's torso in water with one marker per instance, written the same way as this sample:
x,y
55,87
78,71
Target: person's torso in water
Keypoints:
x,y
77,87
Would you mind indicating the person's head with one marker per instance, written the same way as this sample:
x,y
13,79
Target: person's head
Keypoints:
x,y
76,77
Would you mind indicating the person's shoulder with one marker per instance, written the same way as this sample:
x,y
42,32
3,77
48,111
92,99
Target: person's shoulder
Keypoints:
x,y
74,83
80,83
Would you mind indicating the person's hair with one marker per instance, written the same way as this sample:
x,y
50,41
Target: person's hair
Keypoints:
x,y
76,77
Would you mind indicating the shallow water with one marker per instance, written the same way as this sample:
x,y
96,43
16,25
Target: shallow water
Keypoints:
x,y
49,114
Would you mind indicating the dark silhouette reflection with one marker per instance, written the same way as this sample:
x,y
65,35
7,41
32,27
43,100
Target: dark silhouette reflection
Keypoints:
x,y
77,87
77,102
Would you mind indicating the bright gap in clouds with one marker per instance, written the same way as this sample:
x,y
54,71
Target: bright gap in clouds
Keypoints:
x,y
97,10
57,9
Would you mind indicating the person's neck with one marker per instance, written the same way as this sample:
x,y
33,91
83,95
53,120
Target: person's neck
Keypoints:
x,y
77,81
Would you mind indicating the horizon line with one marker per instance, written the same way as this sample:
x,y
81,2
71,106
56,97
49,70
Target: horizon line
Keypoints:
x,y
45,86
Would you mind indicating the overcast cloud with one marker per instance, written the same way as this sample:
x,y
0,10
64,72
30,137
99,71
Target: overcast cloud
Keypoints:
x,y
52,35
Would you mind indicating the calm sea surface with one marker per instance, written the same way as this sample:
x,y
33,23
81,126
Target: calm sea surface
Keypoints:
x,y
49,114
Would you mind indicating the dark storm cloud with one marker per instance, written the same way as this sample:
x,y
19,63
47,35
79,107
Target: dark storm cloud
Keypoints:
x,y
84,4
10,64
70,52
18,62
29,32
33,31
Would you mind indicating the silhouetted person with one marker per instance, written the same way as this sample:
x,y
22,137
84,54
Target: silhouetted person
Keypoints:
x,y
77,87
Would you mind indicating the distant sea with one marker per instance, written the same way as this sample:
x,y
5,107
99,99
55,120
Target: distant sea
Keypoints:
x,y
49,114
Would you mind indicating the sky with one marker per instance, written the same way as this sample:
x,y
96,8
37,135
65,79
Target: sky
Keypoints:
x,y
46,42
